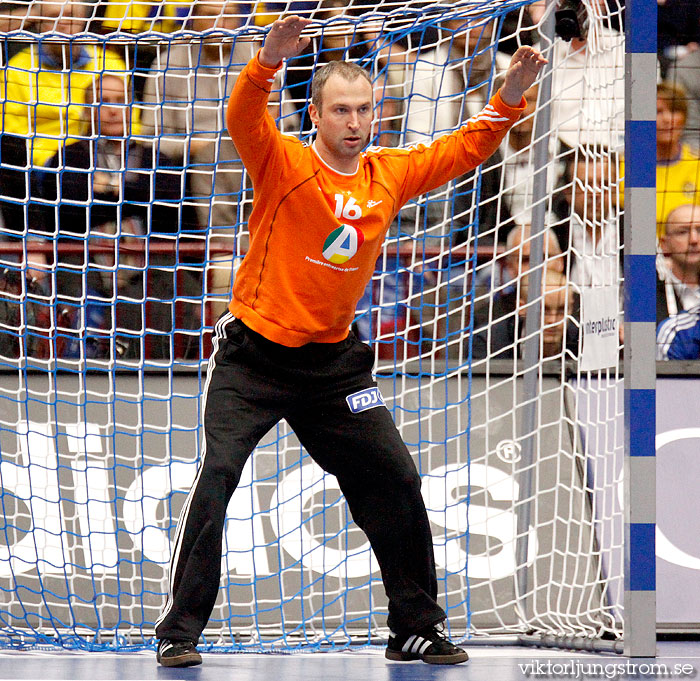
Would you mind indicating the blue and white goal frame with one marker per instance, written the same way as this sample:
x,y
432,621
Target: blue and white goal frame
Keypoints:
x,y
640,328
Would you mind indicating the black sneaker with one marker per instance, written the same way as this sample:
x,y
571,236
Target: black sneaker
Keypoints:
x,y
430,645
177,653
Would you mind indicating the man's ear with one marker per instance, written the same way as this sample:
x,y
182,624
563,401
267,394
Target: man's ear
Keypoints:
x,y
313,114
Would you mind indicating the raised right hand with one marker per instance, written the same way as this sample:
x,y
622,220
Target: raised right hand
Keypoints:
x,y
284,40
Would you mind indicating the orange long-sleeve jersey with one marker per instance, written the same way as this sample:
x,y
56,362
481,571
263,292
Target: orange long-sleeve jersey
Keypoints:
x,y
316,233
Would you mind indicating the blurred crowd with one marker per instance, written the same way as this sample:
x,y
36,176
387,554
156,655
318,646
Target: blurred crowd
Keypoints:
x,y
124,202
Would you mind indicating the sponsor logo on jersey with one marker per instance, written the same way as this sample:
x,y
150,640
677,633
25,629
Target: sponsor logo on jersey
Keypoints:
x,y
369,398
689,189
372,204
342,244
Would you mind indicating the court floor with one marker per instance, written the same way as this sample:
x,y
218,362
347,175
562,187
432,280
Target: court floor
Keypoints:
x,y
675,659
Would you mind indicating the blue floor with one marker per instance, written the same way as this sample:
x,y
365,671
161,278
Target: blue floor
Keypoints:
x,y
681,660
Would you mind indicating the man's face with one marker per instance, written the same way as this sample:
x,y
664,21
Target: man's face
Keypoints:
x,y
470,40
331,39
681,243
113,114
517,261
13,18
556,304
344,119
554,319
59,18
210,15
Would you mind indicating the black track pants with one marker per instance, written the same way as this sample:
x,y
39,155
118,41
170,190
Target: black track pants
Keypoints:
x,y
252,383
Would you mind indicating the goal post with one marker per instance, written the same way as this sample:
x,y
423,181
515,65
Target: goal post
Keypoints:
x,y
640,332
494,314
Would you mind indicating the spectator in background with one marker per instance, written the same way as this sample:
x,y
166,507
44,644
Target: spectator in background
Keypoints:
x,y
685,74
388,288
44,85
184,96
678,337
109,176
43,88
517,29
120,16
164,16
590,111
24,286
100,324
117,192
267,12
558,307
451,83
502,275
677,167
498,286
388,109
589,222
517,174
14,16
678,263
518,163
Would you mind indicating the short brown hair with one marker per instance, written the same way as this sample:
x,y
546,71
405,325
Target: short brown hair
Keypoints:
x,y
345,69
675,96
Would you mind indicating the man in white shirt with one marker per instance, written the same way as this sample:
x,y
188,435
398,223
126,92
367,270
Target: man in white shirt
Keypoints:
x,y
185,93
591,229
451,83
588,85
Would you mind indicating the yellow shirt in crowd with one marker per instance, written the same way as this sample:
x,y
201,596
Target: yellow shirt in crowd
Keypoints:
x,y
44,102
141,17
677,183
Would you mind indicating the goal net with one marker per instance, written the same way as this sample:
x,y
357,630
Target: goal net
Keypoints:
x,y
494,313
